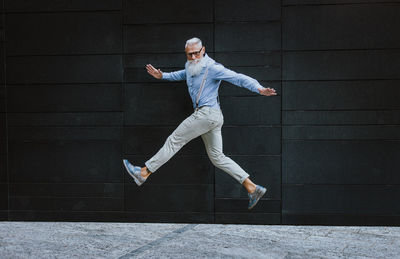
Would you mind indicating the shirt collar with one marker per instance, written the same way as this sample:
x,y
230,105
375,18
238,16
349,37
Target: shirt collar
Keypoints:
x,y
207,59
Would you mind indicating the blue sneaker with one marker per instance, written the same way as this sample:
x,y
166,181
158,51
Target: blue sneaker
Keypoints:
x,y
256,195
134,172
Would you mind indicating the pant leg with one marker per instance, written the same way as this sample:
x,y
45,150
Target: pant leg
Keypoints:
x,y
193,126
213,144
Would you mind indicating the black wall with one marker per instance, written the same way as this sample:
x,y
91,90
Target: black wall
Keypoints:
x,y
75,99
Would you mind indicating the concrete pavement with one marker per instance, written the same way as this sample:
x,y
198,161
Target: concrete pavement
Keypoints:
x,y
162,240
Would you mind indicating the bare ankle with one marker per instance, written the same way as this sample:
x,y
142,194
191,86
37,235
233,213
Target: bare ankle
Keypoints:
x,y
249,185
145,172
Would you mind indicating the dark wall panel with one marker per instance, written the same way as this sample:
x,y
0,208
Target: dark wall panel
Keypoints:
x,y
343,65
3,167
173,11
65,102
64,69
341,199
65,98
169,198
54,6
320,2
3,102
253,33
342,95
256,10
4,190
340,112
342,26
341,162
72,33
3,200
341,117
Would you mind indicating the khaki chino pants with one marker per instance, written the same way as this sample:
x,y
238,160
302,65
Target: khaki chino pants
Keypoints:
x,y
207,123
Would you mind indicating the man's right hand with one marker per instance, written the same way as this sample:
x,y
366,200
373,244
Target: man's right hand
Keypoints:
x,y
157,73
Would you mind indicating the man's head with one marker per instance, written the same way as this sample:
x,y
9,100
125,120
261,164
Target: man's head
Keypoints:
x,y
194,50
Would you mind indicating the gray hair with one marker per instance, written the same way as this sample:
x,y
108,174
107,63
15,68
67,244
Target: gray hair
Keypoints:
x,y
193,41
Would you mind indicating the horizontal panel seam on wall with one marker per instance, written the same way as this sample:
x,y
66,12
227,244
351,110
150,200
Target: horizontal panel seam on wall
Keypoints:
x,y
244,198
85,84
63,183
97,126
102,84
210,52
341,3
117,11
115,197
386,109
74,54
157,52
343,140
58,141
248,213
340,214
108,183
205,155
305,125
361,125
82,112
332,50
339,184
224,126
119,183
229,66
339,80
352,138
120,211
209,23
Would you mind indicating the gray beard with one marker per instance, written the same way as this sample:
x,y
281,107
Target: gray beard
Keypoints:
x,y
193,68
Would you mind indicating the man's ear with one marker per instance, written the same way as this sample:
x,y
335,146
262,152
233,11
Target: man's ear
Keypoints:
x,y
204,47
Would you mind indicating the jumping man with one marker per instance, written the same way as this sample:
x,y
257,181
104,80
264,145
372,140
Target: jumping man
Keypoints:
x,y
203,76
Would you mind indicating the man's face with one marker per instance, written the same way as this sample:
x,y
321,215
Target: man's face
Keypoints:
x,y
194,52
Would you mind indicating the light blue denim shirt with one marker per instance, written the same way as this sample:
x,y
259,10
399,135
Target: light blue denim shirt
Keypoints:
x,y
216,73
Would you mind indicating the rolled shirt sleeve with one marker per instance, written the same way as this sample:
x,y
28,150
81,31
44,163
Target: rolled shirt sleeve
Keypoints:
x,y
241,80
175,76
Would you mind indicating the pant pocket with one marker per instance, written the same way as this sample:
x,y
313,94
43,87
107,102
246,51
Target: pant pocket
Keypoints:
x,y
215,117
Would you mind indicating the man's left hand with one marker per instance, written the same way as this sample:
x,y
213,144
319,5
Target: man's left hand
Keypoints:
x,y
267,91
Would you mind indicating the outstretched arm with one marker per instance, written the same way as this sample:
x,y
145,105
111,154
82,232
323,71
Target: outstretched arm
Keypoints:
x,y
223,73
172,76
